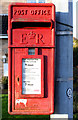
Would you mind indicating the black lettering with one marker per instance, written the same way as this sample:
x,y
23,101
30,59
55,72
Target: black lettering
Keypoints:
x,y
26,12
30,64
49,12
44,12
15,12
22,12
19,12
39,12
35,12
32,12
30,84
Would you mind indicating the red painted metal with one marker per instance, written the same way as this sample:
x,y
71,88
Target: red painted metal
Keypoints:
x,y
31,26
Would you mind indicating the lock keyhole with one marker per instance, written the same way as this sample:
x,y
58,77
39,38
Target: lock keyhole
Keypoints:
x,y
18,79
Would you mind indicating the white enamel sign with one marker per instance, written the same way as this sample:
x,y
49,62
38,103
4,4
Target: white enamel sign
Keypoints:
x,y
31,76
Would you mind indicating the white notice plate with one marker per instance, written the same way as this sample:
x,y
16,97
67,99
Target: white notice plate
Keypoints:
x,y
31,76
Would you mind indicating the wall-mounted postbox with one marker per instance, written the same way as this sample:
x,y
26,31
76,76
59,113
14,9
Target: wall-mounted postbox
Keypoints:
x,y
31,43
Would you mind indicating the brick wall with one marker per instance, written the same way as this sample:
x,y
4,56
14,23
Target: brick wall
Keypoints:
x,y
4,5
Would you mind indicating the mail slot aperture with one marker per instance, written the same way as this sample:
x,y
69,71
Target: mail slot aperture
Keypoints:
x,y
16,25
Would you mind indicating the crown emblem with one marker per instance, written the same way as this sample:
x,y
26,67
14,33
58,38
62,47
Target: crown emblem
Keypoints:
x,y
32,35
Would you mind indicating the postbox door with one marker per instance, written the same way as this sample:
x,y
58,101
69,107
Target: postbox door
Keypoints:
x,y
28,75
33,102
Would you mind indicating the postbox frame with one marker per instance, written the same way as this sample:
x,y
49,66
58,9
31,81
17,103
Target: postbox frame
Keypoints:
x,y
11,46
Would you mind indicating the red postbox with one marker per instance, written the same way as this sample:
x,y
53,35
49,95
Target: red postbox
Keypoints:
x,y
31,43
